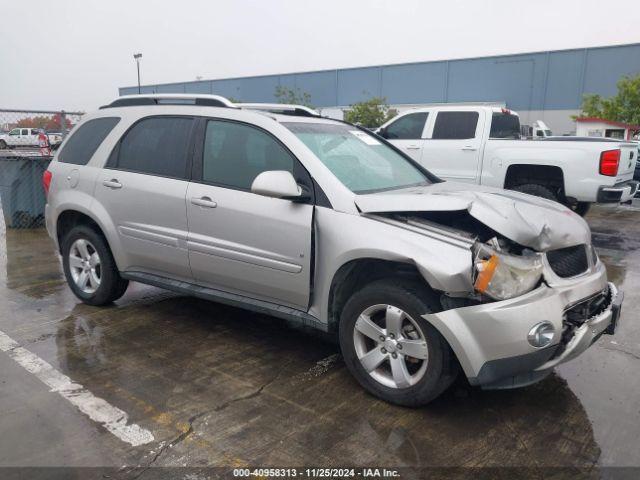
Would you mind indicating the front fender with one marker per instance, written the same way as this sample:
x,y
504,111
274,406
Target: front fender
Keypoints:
x,y
343,237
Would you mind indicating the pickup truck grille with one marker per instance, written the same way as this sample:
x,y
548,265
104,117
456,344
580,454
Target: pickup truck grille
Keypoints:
x,y
568,262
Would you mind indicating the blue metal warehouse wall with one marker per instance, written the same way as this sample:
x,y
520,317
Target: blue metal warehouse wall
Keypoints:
x,y
537,81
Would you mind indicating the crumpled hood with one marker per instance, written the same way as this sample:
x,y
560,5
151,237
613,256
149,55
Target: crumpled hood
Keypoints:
x,y
530,221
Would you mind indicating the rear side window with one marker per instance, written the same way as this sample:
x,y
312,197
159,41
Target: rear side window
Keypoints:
x,y
84,142
157,146
235,154
409,127
504,125
455,125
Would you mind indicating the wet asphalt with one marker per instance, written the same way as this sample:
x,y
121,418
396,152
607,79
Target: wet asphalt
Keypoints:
x,y
218,386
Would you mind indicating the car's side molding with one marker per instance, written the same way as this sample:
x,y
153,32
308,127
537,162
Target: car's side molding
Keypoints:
x,y
296,317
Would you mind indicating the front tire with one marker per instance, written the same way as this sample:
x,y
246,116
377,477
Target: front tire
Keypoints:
x,y
89,267
390,349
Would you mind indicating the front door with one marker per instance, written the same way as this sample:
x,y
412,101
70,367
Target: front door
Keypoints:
x,y
453,149
143,189
406,133
241,242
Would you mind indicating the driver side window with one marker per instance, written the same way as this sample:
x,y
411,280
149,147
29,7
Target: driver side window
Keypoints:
x,y
408,127
235,154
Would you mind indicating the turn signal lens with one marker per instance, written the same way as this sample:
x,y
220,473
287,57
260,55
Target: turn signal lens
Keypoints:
x,y
46,181
486,269
609,161
501,275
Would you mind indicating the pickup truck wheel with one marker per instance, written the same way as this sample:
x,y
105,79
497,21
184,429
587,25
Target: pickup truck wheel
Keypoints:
x,y
3,145
581,208
89,267
390,349
537,190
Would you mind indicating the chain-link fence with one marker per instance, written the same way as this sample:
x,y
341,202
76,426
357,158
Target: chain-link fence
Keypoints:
x,y
28,139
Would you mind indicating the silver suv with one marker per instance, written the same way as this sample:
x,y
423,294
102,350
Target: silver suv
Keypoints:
x,y
318,221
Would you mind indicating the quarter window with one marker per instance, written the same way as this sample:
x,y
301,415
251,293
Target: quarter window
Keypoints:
x,y
157,146
455,125
408,127
84,142
235,154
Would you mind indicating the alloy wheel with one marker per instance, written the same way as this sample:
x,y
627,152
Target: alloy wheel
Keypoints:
x,y
85,266
391,346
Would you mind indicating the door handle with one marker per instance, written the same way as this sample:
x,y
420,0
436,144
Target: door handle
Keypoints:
x,y
469,148
113,183
413,147
205,202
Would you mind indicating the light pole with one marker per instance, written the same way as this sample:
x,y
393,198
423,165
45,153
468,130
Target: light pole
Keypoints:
x,y
137,57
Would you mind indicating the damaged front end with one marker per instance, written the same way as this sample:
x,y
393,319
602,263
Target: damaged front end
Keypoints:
x,y
537,293
514,236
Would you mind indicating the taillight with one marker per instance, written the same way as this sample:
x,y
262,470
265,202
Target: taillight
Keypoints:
x,y
609,161
46,181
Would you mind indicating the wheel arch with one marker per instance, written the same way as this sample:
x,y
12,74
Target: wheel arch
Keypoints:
x,y
71,217
358,272
548,175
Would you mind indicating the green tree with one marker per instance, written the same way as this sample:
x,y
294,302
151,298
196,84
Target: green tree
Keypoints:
x,y
289,95
622,107
371,113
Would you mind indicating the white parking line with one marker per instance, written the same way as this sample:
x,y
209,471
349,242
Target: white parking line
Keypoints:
x,y
97,409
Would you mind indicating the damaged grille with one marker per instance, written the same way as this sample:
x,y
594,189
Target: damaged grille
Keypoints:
x,y
579,313
568,262
588,308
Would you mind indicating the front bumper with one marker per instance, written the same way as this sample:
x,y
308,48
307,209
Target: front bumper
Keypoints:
x,y
619,193
490,340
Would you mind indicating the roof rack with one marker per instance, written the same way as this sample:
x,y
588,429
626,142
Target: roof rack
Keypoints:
x,y
281,108
171,99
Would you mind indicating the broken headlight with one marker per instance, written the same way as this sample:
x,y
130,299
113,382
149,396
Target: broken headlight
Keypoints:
x,y
501,275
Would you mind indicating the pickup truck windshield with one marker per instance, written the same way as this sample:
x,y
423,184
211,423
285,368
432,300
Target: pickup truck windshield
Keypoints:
x,y
360,161
505,125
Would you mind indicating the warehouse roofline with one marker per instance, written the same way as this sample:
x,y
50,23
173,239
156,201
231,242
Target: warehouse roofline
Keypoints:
x,y
417,62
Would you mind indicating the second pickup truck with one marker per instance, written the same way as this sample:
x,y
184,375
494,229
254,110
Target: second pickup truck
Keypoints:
x,y
482,145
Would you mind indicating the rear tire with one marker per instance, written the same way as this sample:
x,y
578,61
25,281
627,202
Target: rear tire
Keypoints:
x,y
581,208
537,190
89,267
397,378
3,145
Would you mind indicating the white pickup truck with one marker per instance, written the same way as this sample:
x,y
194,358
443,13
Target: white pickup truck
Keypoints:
x,y
26,137
482,145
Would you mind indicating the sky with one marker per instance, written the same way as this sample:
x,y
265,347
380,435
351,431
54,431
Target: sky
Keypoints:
x,y
74,55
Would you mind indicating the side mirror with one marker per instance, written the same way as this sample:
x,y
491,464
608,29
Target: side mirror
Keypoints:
x,y
278,184
382,132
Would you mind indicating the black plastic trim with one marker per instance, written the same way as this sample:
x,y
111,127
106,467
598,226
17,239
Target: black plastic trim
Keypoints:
x,y
513,371
292,315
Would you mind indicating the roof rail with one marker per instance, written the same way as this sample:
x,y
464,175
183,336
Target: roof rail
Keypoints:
x,y
281,108
171,99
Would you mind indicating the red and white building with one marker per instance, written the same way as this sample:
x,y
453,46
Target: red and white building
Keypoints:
x,y
598,127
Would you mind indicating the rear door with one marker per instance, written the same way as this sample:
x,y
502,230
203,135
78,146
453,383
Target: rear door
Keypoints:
x,y
453,148
241,242
143,189
407,133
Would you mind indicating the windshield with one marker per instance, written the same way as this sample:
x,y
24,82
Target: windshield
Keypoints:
x,y
505,125
359,160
